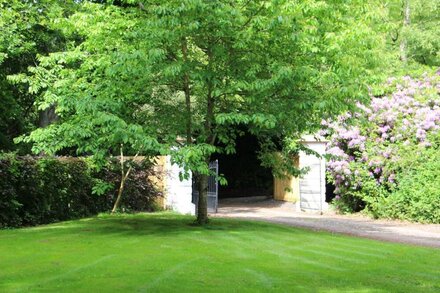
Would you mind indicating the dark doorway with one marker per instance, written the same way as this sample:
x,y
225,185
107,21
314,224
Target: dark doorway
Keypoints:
x,y
243,171
329,191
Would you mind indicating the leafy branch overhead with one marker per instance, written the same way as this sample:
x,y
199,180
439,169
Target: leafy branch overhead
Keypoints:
x,y
260,64
178,77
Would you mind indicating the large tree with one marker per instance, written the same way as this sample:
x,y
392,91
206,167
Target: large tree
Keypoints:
x,y
178,76
25,33
413,27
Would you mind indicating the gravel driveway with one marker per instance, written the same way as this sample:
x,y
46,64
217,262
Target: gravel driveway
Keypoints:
x,y
263,209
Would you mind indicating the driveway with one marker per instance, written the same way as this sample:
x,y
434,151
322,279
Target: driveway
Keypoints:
x,y
263,209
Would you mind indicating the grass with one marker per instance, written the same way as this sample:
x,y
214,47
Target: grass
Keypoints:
x,y
163,252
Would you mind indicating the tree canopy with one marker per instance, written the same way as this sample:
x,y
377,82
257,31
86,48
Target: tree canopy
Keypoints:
x,y
178,77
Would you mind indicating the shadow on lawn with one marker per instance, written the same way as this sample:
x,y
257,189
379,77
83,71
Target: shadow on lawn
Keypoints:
x,y
166,225
273,266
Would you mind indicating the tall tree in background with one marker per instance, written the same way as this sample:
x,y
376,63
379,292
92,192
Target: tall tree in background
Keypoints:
x,y
414,27
406,21
147,75
423,32
25,34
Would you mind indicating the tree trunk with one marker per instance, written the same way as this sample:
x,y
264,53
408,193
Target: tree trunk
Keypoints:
x,y
406,22
124,176
202,204
118,199
202,179
47,116
187,91
121,189
202,184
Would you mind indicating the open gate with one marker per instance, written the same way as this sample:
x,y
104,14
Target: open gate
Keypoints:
x,y
212,189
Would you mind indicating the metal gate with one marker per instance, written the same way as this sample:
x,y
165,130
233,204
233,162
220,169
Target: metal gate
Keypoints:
x,y
212,189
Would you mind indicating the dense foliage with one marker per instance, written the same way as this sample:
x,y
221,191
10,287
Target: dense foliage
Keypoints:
x,y
417,196
384,154
275,67
37,191
175,77
422,32
25,34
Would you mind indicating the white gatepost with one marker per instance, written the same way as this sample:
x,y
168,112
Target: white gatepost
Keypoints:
x,y
312,184
178,193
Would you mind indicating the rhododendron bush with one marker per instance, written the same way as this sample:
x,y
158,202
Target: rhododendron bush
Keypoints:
x,y
371,149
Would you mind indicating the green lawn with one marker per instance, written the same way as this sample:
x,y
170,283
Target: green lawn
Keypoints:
x,y
164,252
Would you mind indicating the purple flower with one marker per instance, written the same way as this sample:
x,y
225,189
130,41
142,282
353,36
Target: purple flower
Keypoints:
x,y
366,139
392,178
384,129
421,134
336,151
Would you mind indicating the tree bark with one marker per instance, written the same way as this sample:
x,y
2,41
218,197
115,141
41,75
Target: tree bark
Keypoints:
x,y
186,90
121,189
202,184
209,137
47,116
406,22
118,199
202,205
124,176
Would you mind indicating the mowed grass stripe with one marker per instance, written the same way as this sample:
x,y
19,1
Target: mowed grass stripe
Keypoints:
x,y
164,252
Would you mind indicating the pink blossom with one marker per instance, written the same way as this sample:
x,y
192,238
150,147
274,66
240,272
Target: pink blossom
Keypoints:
x,y
364,141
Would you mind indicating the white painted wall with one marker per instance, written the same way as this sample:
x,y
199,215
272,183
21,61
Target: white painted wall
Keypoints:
x,y
178,193
312,184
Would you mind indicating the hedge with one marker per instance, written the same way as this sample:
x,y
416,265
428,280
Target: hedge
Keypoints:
x,y
38,190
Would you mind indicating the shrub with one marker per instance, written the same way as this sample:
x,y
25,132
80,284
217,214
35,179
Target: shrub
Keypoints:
x,y
9,203
137,186
42,190
368,148
417,196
